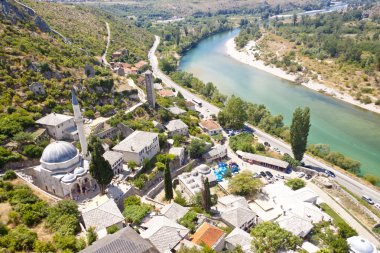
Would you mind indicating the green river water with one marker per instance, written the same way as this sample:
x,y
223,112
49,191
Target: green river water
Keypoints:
x,y
346,128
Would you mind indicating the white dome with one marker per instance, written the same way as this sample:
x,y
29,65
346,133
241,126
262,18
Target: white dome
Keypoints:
x,y
68,178
203,169
79,171
360,245
58,152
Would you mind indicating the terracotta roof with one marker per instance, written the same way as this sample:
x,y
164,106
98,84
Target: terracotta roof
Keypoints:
x,y
207,234
166,93
140,64
210,124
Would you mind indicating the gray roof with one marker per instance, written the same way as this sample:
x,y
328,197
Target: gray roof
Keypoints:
x,y
240,237
175,110
238,216
176,151
215,151
54,119
164,233
263,159
233,200
136,142
59,151
174,211
112,156
295,224
175,124
102,216
124,241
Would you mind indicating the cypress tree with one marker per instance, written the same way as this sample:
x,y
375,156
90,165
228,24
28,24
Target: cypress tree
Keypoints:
x,y
100,168
168,184
299,131
206,195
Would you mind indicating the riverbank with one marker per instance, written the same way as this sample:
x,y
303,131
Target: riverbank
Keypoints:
x,y
247,56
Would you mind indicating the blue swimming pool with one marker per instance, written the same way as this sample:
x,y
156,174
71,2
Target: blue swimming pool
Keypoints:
x,y
223,168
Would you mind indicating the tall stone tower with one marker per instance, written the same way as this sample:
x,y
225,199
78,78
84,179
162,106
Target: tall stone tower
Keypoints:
x,y
149,86
78,119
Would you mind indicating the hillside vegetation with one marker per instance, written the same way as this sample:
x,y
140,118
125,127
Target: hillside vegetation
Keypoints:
x,y
30,53
340,50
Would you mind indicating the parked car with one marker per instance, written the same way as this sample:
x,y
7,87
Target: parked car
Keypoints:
x,y
329,173
308,176
270,175
256,175
280,176
368,200
377,205
267,144
301,175
262,173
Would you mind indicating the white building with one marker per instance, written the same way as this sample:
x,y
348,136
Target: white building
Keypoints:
x,y
210,126
231,201
217,152
116,161
139,146
64,171
177,127
239,217
174,211
295,224
175,110
192,182
179,153
59,126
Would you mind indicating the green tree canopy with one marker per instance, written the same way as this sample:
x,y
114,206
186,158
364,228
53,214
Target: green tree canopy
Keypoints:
x,y
100,168
295,183
197,148
299,131
233,114
244,184
270,237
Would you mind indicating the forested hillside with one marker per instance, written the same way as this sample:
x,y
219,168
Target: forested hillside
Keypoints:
x,y
31,54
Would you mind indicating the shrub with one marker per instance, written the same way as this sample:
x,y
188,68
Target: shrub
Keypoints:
x,y
19,239
179,199
43,247
33,151
295,183
372,179
112,229
91,235
132,200
242,142
188,220
9,175
135,213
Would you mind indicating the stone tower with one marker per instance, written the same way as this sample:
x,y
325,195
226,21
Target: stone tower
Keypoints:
x,y
149,86
78,119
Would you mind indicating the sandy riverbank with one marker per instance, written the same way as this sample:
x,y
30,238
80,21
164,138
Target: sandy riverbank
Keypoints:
x,y
246,55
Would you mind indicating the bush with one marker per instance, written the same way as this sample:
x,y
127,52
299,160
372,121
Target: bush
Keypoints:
x,y
372,179
188,220
9,175
242,142
197,148
43,247
91,235
135,213
244,184
179,199
295,183
3,229
112,229
63,218
19,239
33,151
132,200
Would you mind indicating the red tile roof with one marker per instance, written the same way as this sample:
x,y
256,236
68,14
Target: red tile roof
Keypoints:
x,y
210,124
207,234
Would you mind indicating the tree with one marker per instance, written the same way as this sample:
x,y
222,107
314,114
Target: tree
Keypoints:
x,y
132,165
112,229
9,175
91,235
206,195
168,184
43,247
233,114
132,200
295,183
295,19
197,148
100,168
299,131
244,184
372,179
270,237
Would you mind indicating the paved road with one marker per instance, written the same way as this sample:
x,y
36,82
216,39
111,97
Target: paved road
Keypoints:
x,y
104,56
349,183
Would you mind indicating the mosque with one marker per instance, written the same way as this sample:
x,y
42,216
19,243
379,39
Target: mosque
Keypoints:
x,y
63,169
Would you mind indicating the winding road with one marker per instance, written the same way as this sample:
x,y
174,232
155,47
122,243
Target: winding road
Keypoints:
x,y
344,180
104,56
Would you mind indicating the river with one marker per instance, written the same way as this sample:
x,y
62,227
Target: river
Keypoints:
x,y
346,128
